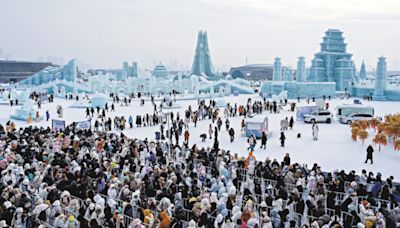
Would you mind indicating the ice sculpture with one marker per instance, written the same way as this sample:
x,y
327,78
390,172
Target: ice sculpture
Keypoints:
x,y
67,72
293,89
170,104
99,100
277,74
160,71
363,72
280,97
234,86
25,111
202,65
128,71
380,80
333,63
288,74
20,95
378,88
220,103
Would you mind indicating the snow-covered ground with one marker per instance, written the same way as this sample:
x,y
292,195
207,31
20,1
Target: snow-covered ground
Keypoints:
x,y
334,149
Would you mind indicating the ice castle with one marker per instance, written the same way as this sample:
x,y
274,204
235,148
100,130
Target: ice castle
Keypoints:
x,y
202,65
332,71
378,88
333,63
283,85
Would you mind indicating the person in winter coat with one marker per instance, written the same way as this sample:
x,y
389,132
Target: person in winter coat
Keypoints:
x,y
367,216
47,115
315,131
210,131
130,120
252,143
276,219
370,151
266,220
165,220
186,137
18,219
282,138
286,159
231,134
227,124
291,122
264,140
282,124
219,123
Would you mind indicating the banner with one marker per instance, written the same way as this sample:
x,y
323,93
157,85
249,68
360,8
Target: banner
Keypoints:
x,y
57,125
83,125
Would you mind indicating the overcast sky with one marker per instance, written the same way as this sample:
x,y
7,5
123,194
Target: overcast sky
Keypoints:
x,y
103,33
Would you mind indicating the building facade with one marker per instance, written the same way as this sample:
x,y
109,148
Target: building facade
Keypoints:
x,y
255,72
15,71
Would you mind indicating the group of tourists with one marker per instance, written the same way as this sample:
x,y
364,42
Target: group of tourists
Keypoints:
x,y
83,178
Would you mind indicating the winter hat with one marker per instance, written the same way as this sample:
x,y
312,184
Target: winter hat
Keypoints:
x,y
224,212
136,222
265,217
192,224
7,204
219,218
3,223
65,194
111,203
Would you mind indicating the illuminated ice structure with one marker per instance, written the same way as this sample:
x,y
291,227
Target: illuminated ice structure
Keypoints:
x,y
333,63
283,86
25,111
67,72
20,95
202,65
378,88
59,80
97,100
202,82
332,70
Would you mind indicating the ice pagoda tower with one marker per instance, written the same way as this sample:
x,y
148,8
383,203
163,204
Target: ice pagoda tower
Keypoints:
x,y
380,80
333,63
202,65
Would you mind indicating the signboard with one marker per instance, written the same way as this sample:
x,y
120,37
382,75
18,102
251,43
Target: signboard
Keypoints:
x,y
57,125
83,125
302,110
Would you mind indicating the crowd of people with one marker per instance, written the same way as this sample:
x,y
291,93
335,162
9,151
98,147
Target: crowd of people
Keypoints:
x,y
84,178
102,178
